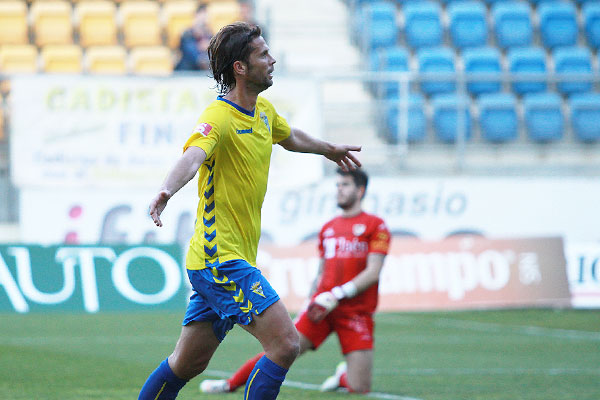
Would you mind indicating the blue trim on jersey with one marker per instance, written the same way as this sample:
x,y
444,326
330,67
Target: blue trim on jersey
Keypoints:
x,y
240,109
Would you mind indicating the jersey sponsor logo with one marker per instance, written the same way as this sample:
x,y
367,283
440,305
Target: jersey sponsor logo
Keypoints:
x,y
257,288
328,232
358,229
265,119
203,129
344,248
243,131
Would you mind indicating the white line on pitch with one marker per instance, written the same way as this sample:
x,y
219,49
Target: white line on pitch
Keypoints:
x,y
525,330
311,386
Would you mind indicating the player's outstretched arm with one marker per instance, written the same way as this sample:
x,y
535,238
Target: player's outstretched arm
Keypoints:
x,y
181,173
341,154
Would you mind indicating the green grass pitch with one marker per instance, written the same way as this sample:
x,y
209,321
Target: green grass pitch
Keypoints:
x,y
492,355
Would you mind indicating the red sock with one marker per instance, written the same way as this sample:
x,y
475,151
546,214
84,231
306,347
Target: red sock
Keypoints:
x,y
344,382
240,376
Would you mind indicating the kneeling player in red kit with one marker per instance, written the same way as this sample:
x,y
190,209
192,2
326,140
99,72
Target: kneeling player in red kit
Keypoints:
x,y
352,248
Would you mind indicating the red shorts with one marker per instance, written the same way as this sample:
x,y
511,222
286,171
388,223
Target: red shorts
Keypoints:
x,y
354,329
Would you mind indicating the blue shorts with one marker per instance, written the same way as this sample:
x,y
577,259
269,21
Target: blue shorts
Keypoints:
x,y
229,294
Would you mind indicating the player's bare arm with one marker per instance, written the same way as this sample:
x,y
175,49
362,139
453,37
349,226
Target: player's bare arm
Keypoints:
x,y
181,173
325,302
301,142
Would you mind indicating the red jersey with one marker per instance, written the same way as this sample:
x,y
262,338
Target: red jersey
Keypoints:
x,y
344,244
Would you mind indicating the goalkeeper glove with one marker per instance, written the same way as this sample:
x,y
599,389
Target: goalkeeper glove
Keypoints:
x,y
325,302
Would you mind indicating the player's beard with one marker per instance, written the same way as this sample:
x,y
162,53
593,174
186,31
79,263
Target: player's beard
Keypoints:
x,y
347,202
258,83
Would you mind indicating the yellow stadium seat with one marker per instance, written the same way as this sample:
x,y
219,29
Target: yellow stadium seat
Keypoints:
x,y
178,16
97,22
13,22
64,58
222,13
106,60
141,25
18,58
52,22
2,134
151,60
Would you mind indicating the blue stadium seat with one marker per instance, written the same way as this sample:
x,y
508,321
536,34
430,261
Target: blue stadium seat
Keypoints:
x,y
591,21
422,24
392,59
468,26
530,60
498,117
446,117
576,60
543,116
379,27
416,118
512,24
436,60
585,116
482,59
558,24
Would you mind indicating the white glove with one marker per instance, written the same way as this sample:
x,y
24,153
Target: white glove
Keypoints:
x,y
321,305
324,302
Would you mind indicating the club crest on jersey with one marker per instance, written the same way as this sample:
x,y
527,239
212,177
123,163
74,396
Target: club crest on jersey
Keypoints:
x,y
358,229
328,232
257,288
264,118
202,129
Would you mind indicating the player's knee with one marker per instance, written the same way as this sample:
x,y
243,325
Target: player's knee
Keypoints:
x,y
189,368
288,346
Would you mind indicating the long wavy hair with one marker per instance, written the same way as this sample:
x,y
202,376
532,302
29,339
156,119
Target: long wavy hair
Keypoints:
x,y
230,44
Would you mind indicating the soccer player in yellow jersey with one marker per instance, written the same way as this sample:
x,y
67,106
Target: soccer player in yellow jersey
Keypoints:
x,y
230,149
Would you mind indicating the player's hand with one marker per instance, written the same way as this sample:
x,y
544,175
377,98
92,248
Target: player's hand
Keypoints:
x,y
321,305
157,205
342,156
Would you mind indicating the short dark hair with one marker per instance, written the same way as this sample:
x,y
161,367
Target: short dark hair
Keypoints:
x,y
359,176
230,44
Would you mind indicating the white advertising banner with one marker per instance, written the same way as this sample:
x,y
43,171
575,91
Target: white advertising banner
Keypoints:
x,y
583,262
427,208
87,132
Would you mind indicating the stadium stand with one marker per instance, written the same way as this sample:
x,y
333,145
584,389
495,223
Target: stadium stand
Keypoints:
x,y
416,119
18,58
530,60
178,16
543,116
141,23
585,116
482,60
52,22
378,26
558,24
512,24
575,60
151,60
222,13
498,117
422,24
468,24
61,58
451,117
96,22
392,59
434,61
106,60
13,22
591,18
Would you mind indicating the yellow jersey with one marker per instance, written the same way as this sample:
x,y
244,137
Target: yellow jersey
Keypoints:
x,y
232,181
